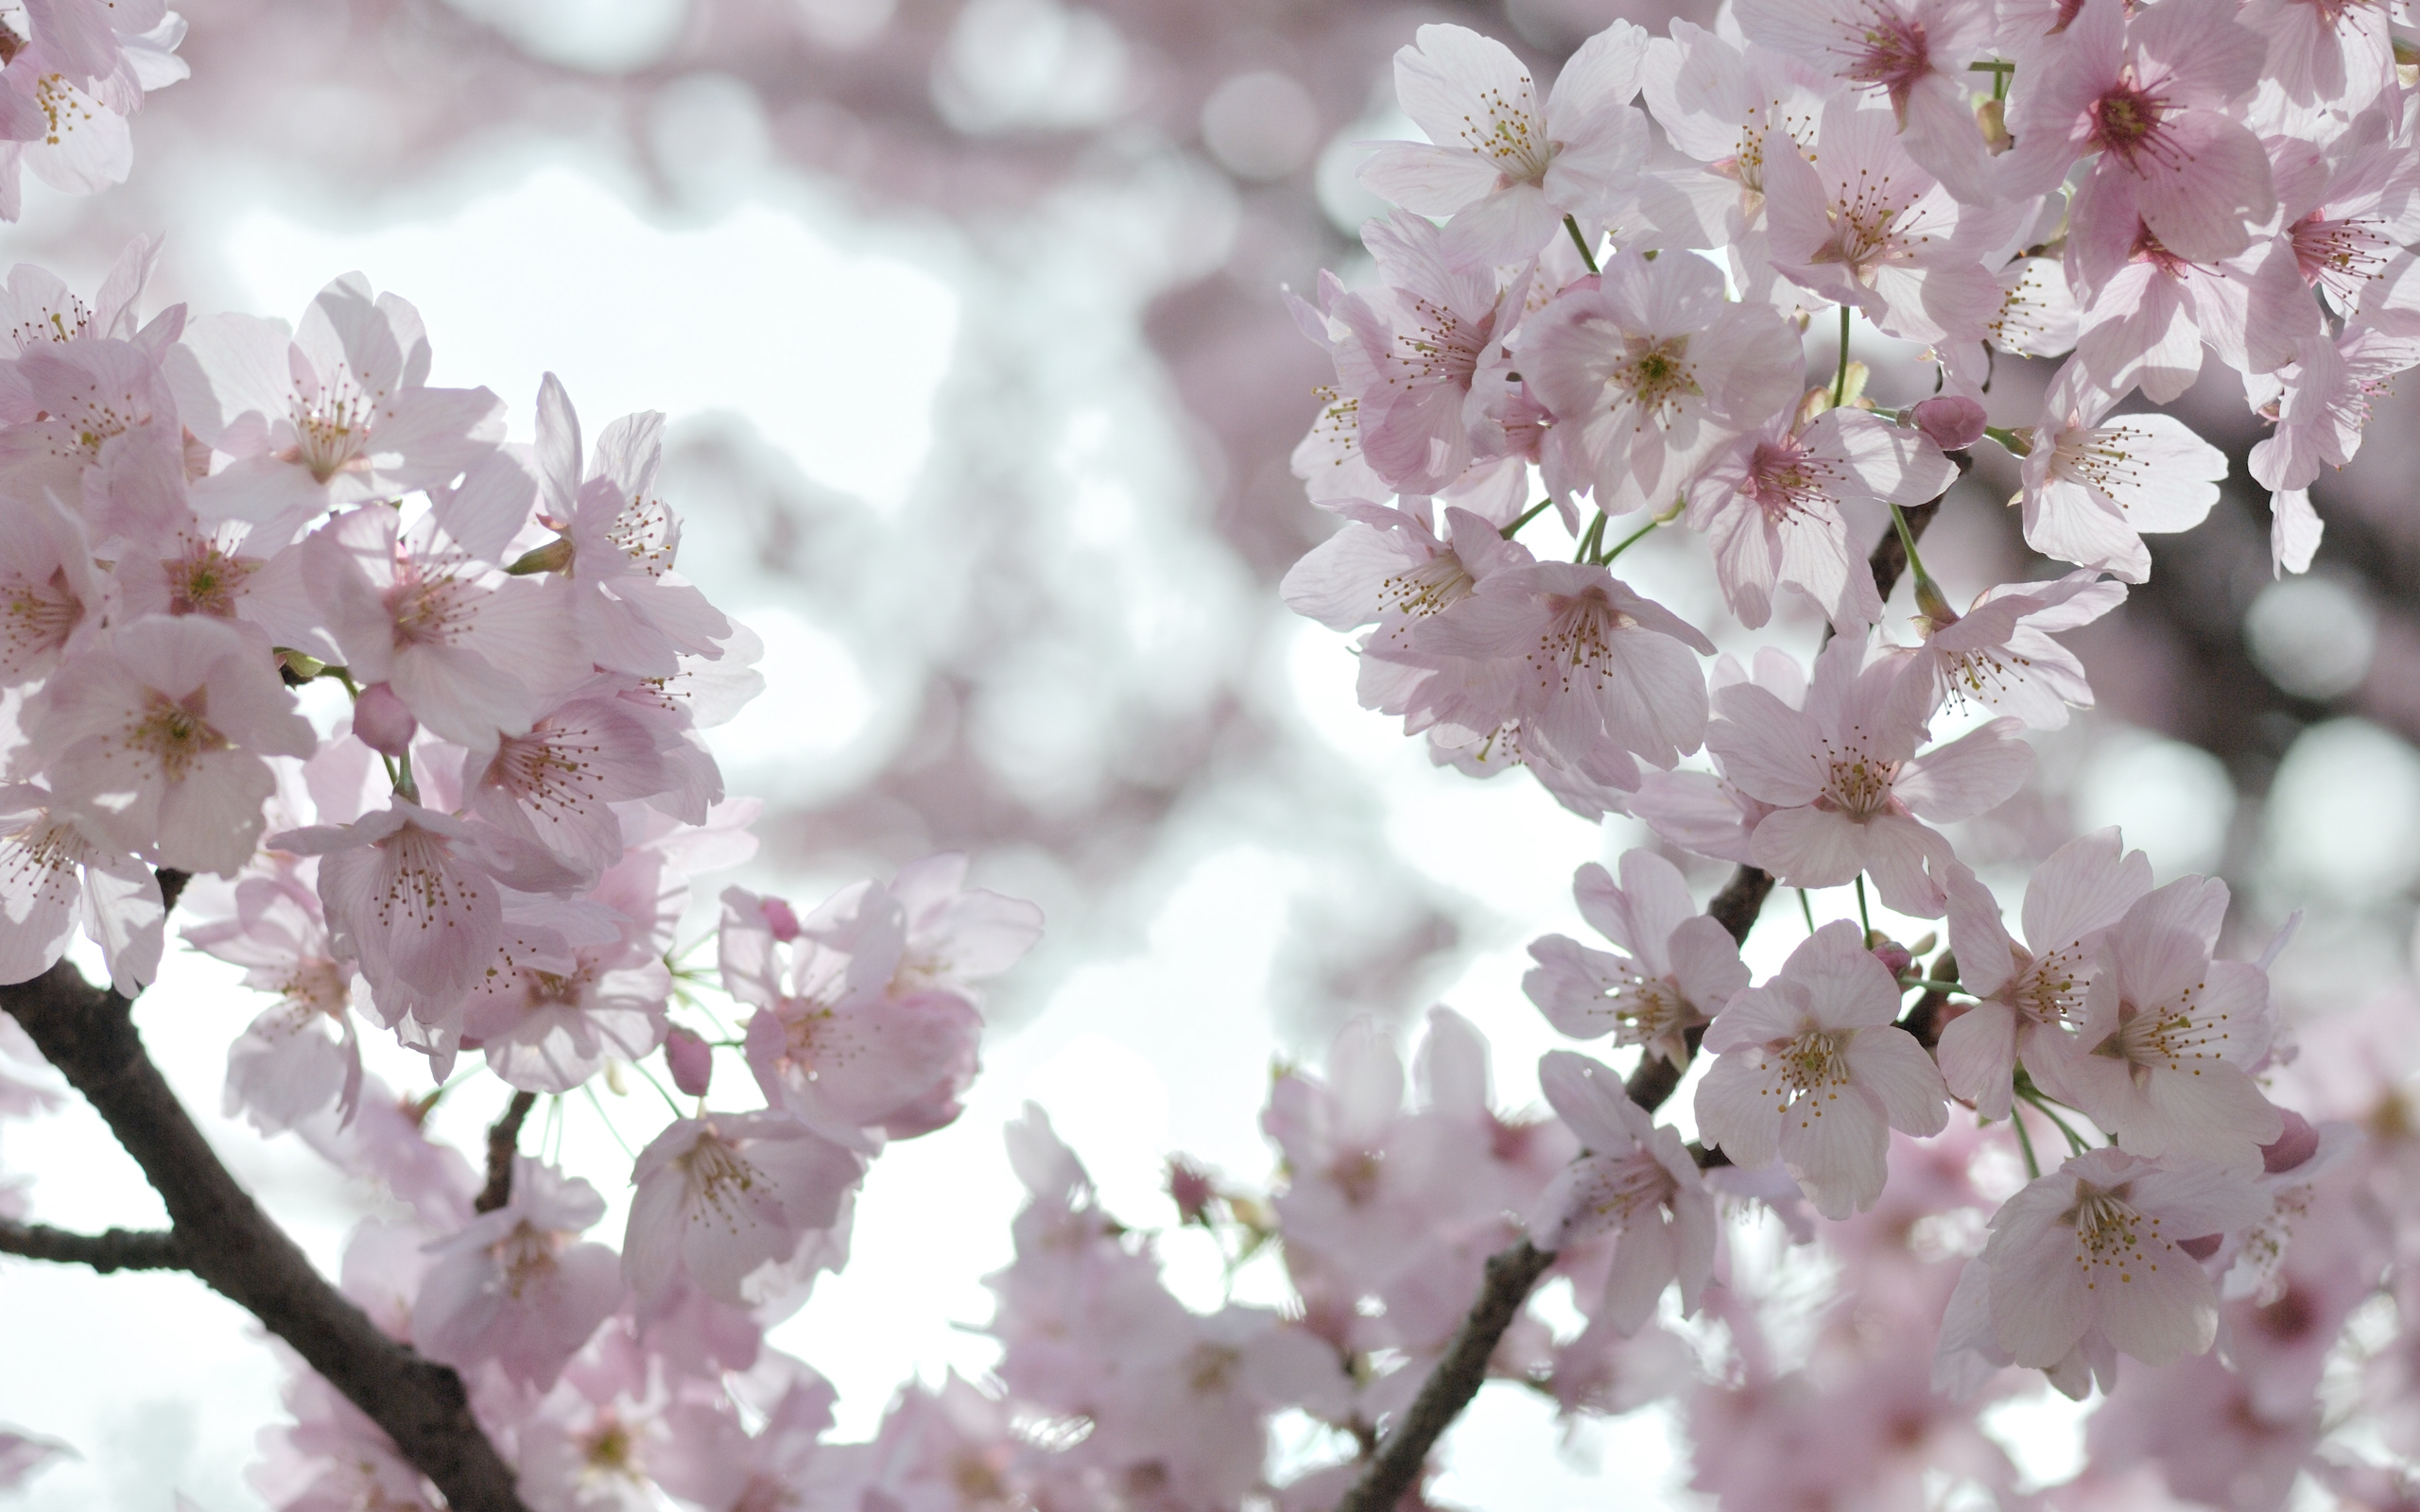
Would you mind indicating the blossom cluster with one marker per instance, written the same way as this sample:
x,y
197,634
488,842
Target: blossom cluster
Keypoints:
x,y
404,718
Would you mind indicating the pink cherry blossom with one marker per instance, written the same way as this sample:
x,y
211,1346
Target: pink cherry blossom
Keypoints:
x,y
1857,222
569,992
1911,53
1774,505
555,785
516,1285
302,1055
2085,1263
1849,791
1649,372
725,1203
2152,312
2161,1054
2095,484
2321,402
154,735
107,438
1417,340
1589,660
1634,1183
2000,655
1680,970
472,653
2038,987
2147,91
335,412
1505,169
1813,1072
416,897
50,596
611,563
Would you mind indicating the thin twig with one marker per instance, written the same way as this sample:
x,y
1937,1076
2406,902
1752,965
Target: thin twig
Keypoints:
x,y
504,1143
116,1250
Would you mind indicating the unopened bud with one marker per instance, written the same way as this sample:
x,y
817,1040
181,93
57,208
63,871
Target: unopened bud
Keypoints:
x,y
1191,1189
383,723
691,1059
551,557
1934,607
1992,115
780,920
1893,956
1949,422
2203,1248
2295,1145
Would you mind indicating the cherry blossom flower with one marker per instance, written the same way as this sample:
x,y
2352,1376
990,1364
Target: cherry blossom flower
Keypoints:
x,y
516,1285
713,1462
2148,93
727,1202
563,997
416,897
554,786
1416,342
1774,505
1911,53
1857,222
1635,1183
1681,967
2152,312
1650,372
334,412
2160,1055
50,596
153,737
611,561
98,428
2096,484
1504,168
1591,660
2036,988
2000,655
1849,791
287,1066
472,654
2321,402
1813,1072
2087,1263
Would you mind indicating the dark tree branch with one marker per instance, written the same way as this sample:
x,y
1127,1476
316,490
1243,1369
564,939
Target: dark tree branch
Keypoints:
x,y
1453,1383
222,1236
504,1143
118,1249
1511,1273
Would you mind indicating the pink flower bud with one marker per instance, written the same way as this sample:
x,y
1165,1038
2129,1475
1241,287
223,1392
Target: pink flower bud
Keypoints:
x,y
1190,1188
1895,957
381,720
691,1059
2298,1143
783,922
1949,420
2203,1248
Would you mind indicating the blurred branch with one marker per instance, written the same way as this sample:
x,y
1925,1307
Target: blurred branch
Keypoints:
x,y
1453,1383
118,1249
504,1143
221,1235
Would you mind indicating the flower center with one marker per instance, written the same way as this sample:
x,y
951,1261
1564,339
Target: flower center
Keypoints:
x,y
1506,129
1787,480
2129,123
1656,375
2110,1234
1578,646
1858,785
173,732
37,618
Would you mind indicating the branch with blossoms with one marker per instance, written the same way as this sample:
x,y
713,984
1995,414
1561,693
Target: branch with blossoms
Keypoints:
x,y
405,715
